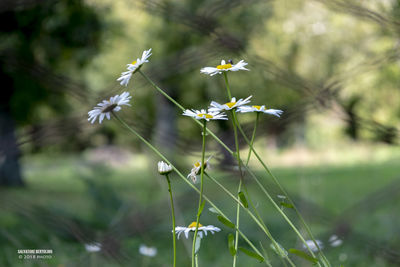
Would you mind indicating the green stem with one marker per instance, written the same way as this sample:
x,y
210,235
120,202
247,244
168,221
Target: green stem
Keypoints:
x,y
239,165
253,137
173,218
199,210
227,86
161,91
196,260
237,225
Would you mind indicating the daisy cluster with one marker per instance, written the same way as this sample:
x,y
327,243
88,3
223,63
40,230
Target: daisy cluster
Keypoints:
x,y
215,111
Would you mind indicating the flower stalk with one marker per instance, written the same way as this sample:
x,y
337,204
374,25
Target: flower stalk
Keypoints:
x,y
173,218
199,210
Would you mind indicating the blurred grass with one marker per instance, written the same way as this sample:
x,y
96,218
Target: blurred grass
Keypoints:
x,y
70,201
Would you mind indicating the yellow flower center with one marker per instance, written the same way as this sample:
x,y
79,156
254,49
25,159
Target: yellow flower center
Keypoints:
x,y
134,62
197,164
224,67
230,104
257,107
205,115
193,224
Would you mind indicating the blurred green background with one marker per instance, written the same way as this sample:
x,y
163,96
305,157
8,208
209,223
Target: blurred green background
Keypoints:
x,y
332,66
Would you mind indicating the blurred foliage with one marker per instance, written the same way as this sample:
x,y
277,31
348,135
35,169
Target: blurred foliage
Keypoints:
x,y
306,57
77,202
41,44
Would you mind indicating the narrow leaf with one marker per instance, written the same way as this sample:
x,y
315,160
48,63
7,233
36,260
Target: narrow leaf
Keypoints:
x,y
243,200
287,205
231,244
252,254
303,255
225,221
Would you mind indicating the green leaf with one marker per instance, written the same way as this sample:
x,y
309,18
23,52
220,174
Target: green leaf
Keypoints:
x,y
231,244
243,200
201,208
226,222
287,205
303,255
252,254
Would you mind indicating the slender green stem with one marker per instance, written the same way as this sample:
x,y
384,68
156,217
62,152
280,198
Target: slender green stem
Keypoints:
x,y
253,137
239,165
183,178
196,260
173,218
237,225
161,91
227,86
199,210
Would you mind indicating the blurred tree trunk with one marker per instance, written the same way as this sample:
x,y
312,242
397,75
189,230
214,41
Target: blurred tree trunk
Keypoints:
x,y
165,133
10,172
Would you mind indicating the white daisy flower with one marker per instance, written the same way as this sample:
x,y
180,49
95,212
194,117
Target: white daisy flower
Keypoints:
x,y
224,67
147,251
275,112
134,67
105,108
192,228
197,169
164,168
93,247
312,245
204,115
216,107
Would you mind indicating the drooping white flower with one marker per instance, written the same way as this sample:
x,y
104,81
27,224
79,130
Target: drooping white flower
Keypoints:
x,y
312,245
204,115
197,169
93,247
275,112
133,67
224,67
164,168
192,228
105,108
147,251
216,107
